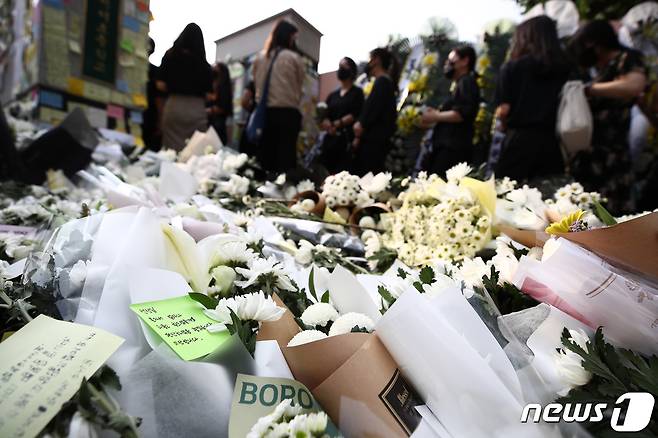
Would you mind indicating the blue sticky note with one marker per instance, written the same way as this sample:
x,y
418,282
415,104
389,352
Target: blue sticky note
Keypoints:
x,y
122,86
59,4
131,23
136,117
51,99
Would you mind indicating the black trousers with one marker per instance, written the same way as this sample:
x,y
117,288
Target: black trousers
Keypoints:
x,y
371,154
530,153
277,151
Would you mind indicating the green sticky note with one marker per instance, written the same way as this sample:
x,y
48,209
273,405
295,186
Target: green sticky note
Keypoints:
x,y
127,45
181,323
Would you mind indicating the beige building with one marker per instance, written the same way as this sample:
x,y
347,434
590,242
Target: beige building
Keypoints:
x,y
250,40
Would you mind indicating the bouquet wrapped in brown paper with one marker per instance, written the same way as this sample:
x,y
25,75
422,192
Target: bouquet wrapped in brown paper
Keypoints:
x,y
353,377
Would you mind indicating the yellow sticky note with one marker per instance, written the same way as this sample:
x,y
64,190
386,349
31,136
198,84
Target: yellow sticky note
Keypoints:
x,y
42,367
52,116
139,142
76,86
139,100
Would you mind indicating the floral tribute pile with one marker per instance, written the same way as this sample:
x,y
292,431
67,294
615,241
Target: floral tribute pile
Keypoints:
x,y
355,288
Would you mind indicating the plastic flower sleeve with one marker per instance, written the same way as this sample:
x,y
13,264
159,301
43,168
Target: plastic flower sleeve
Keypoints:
x,y
177,398
584,286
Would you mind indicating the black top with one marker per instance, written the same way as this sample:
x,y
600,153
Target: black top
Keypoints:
x,y
185,74
350,103
533,92
465,99
379,110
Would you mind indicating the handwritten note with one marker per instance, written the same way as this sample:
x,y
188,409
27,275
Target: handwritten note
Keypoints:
x,y
181,323
42,367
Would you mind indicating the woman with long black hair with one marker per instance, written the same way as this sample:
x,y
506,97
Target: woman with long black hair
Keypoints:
x,y
528,96
277,151
376,124
221,104
186,77
453,131
619,79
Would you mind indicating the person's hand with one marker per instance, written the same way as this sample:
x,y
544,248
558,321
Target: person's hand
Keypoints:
x,y
325,125
358,129
356,143
428,118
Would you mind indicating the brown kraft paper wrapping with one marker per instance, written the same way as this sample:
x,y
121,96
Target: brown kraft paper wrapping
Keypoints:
x,y
632,245
282,330
358,384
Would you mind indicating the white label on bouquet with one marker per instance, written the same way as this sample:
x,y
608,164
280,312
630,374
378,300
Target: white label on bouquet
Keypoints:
x,y
42,367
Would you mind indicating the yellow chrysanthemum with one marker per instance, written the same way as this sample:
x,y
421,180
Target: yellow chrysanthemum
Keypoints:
x,y
564,226
368,88
430,59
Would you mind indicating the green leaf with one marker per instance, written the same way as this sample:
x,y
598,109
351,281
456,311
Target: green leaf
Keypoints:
x,y
386,295
205,300
357,329
311,284
401,273
325,297
108,378
603,214
426,275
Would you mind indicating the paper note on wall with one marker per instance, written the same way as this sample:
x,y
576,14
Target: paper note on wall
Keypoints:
x,y
51,116
181,323
74,26
139,100
74,46
76,86
97,117
96,92
115,112
126,60
55,46
42,367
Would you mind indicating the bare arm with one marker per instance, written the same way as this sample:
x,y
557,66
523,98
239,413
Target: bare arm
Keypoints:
x,y
628,86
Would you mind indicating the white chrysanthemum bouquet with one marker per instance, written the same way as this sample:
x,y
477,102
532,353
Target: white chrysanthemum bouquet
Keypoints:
x,y
441,220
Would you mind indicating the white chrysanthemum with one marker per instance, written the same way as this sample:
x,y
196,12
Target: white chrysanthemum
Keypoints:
x,y
345,323
569,364
319,314
305,186
306,336
304,254
280,180
259,267
237,185
457,172
249,307
232,252
472,271
377,183
233,162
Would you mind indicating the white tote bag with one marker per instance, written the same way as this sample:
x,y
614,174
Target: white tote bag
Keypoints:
x,y
574,119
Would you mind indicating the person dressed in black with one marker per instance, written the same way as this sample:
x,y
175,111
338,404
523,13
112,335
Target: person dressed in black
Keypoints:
x,y
343,108
453,130
619,79
528,96
376,124
221,104
151,123
187,78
